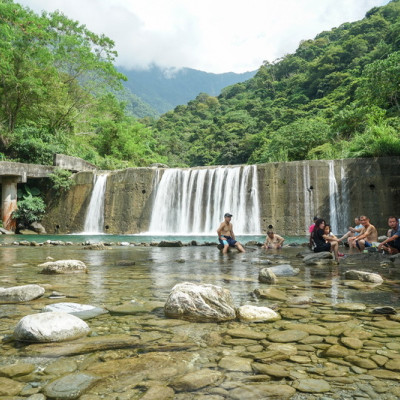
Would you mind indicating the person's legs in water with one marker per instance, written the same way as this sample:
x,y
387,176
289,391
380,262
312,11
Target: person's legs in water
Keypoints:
x,y
335,250
224,243
240,247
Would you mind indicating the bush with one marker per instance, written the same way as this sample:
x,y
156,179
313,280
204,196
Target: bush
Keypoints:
x,y
30,209
61,179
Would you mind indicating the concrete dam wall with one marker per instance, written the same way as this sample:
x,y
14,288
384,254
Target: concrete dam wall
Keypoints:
x,y
284,195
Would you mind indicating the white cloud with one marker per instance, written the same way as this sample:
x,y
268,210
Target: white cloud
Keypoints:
x,y
210,35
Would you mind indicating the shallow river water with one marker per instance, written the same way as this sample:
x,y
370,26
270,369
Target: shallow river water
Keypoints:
x,y
329,347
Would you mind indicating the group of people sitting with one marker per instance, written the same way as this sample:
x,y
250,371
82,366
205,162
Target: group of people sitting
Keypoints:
x,y
363,235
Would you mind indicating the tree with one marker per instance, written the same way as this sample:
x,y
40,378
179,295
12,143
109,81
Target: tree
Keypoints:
x,y
381,83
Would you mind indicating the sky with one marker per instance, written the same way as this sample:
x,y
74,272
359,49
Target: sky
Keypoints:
x,y
209,35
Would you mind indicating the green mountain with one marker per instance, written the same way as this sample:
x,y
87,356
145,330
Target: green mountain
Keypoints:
x,y
336,96
164,89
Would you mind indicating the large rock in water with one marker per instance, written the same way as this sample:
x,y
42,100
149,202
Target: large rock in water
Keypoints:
x,y
17,294
82,311
50,327
250,313
284,270
170,243
63,267
201,303
266,275
363,276
318,258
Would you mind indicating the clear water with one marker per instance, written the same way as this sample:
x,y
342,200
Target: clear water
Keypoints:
x,y
138,238
150,280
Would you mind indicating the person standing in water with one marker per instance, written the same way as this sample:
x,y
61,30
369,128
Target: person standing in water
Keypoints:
x,y
226,237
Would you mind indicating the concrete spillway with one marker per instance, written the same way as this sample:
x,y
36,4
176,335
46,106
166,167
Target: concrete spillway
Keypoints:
x,y
288,194
193,201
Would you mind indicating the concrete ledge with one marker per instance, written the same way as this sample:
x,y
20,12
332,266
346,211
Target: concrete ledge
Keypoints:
x,y
74,164
24,171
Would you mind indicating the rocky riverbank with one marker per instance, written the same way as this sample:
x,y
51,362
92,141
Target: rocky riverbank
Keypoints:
x,y
334,334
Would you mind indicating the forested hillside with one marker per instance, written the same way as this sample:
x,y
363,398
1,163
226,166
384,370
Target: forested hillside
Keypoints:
x,y
163,90
60,93
337,96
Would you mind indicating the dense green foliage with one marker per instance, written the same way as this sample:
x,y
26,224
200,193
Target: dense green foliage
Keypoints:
x,y
337,96
31,206
59,92
60,180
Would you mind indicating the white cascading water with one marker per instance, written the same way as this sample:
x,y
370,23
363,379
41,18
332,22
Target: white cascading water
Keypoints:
x,y
333,198
94,221
344,221
194,201
308,197
338,200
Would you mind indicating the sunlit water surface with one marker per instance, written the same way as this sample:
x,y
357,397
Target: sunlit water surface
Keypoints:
x,y
156,271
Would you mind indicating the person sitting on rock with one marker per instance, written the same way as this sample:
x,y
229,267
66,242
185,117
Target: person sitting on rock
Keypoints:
x,y
367,237
392,243
330,237
353,231
273,241
321,240
226,237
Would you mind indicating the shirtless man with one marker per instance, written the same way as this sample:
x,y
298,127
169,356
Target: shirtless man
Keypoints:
x,y
226,236
368,235
392,243
273,241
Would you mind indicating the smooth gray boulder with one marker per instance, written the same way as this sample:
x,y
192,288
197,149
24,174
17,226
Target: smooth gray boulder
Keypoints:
x,y
38,228
6,232
170,243
50,327
63,267
250,313
258,261
82,311
266,275
201,303
70,386
284,270
363,276
324,257
17,294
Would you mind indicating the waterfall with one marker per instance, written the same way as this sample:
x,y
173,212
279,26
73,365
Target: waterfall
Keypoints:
x,y
345,201
308,197
193,201
94,221
333,198
338,200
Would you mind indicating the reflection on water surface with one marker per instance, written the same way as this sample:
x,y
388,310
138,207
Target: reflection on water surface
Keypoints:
x,y
206,346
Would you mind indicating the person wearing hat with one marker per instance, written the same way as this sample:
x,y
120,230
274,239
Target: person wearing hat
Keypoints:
x,y
226,237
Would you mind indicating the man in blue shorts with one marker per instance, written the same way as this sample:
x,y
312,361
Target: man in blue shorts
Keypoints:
x,y
368,236
392,243
226,237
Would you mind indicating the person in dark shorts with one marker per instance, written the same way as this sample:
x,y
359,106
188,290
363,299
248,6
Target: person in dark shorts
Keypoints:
x,y
226,237
319,238
392,243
